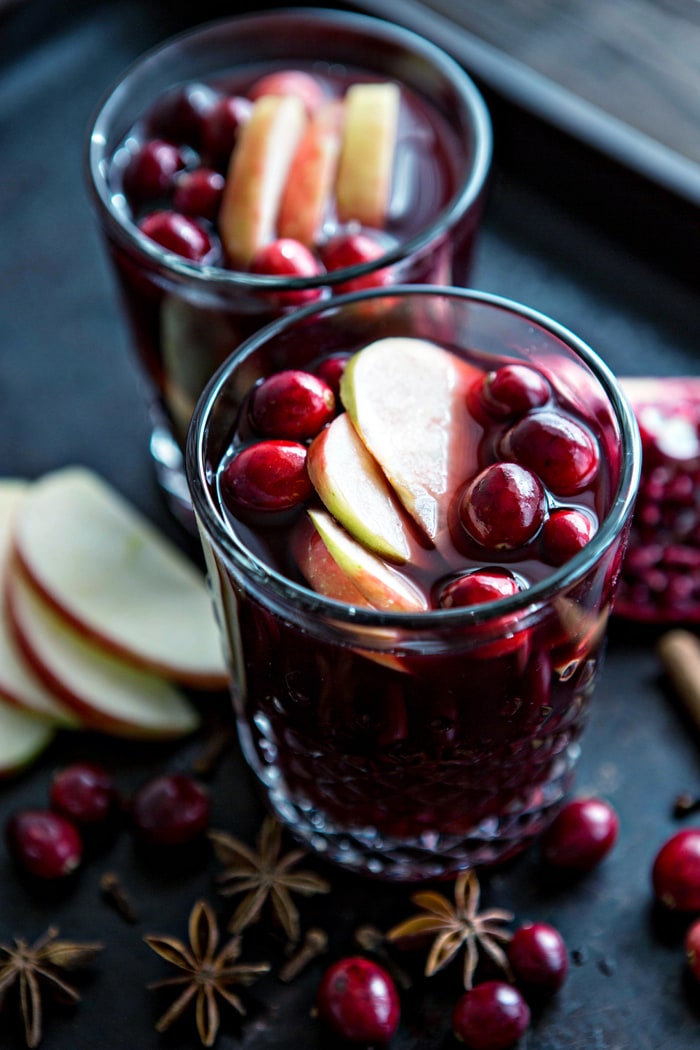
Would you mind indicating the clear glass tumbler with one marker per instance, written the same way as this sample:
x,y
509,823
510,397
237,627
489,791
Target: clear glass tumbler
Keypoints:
x,y
410,745
185,317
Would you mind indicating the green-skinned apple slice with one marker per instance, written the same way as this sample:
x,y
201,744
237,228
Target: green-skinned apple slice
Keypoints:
x,y
309,185
23,737
383,588
406,398
320,569
365,169
352,487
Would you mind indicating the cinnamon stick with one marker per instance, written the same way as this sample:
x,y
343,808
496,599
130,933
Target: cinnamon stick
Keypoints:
x,y
680,654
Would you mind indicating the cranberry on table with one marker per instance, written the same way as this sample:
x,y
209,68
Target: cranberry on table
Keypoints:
x,y
478,587
538,957
43,843
565,533
84,792
151,170
221,127
503,507
357,999
513,390
199,192
291,404
562,451
287,257
171,809
177,233
675,872
267,476
491,1016
290,82
581,835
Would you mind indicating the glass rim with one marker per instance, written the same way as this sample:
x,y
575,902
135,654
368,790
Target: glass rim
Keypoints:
x,y
530,599
459,204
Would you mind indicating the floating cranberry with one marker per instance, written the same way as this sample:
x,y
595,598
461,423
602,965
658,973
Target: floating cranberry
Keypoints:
x,y
358,1001
266,477
291,404
355,249
177,233
170,809
491,1016
582,833
286,257
331,370
84,792
221,126
180,114
538,958
290,82
675,874
43,843
199,192
151,170
562,451
692,948
565,533
503,507
478,587
513,390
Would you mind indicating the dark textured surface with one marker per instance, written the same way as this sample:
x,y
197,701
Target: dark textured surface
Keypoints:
x,y
70,393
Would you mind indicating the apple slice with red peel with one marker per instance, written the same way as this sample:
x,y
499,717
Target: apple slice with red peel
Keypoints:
x,y
257,175
366,164
108,695
311,176
321,570
406,398
114,577
354,490
381,585
23,737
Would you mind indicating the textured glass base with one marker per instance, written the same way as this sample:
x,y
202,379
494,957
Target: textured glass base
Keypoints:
x,y
170,471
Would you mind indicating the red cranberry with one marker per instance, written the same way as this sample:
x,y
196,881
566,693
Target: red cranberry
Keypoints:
x,y
675,873
513,390
582,833
45,844
180,114
358,1001
292,404
475,588
331,370
177,233
171,809
692,948
503,507
267,476
151,170
286,257
221,126
84,792
290,82
354,249
491,1016
199,192
538,957
560,450
565,533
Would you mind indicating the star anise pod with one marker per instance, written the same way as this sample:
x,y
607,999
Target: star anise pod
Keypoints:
x,y
458,924
264,875
207,973
33,965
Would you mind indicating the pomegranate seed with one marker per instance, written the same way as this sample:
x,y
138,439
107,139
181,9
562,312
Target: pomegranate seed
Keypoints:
x,y
565,533
291,404
560,450
286,257
221,126
290,82
151,170
538,957
43,843
267,476
692,948
171,809
177,233
199,192
331,370
491,1016
582,833
675,873
503,507
84,792
180,114
513,390
478,587
357,999
355,249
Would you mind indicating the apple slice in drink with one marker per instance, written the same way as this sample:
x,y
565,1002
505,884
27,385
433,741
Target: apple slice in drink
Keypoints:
x,y
311,176
365,169
257,175
354,490
319,568
108,695
406,398
23,737
113,576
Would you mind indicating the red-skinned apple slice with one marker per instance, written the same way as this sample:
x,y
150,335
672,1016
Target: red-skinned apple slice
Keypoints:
x,y
406,398
257,175
365,167
354,490
321,570
311,176
383,588
108,695
23,737
114,577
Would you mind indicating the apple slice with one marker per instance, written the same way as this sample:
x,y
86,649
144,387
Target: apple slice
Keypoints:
x,y
354,490
406,398
112,575
311,176
321,570
381,585
257,175
108,695
23,737
365,168
18,686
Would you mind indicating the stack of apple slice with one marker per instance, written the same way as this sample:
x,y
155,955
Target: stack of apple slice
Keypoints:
x,y
103,620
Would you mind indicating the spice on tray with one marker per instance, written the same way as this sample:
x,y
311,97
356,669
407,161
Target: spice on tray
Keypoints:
x,y
314,944
679,650
115,895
